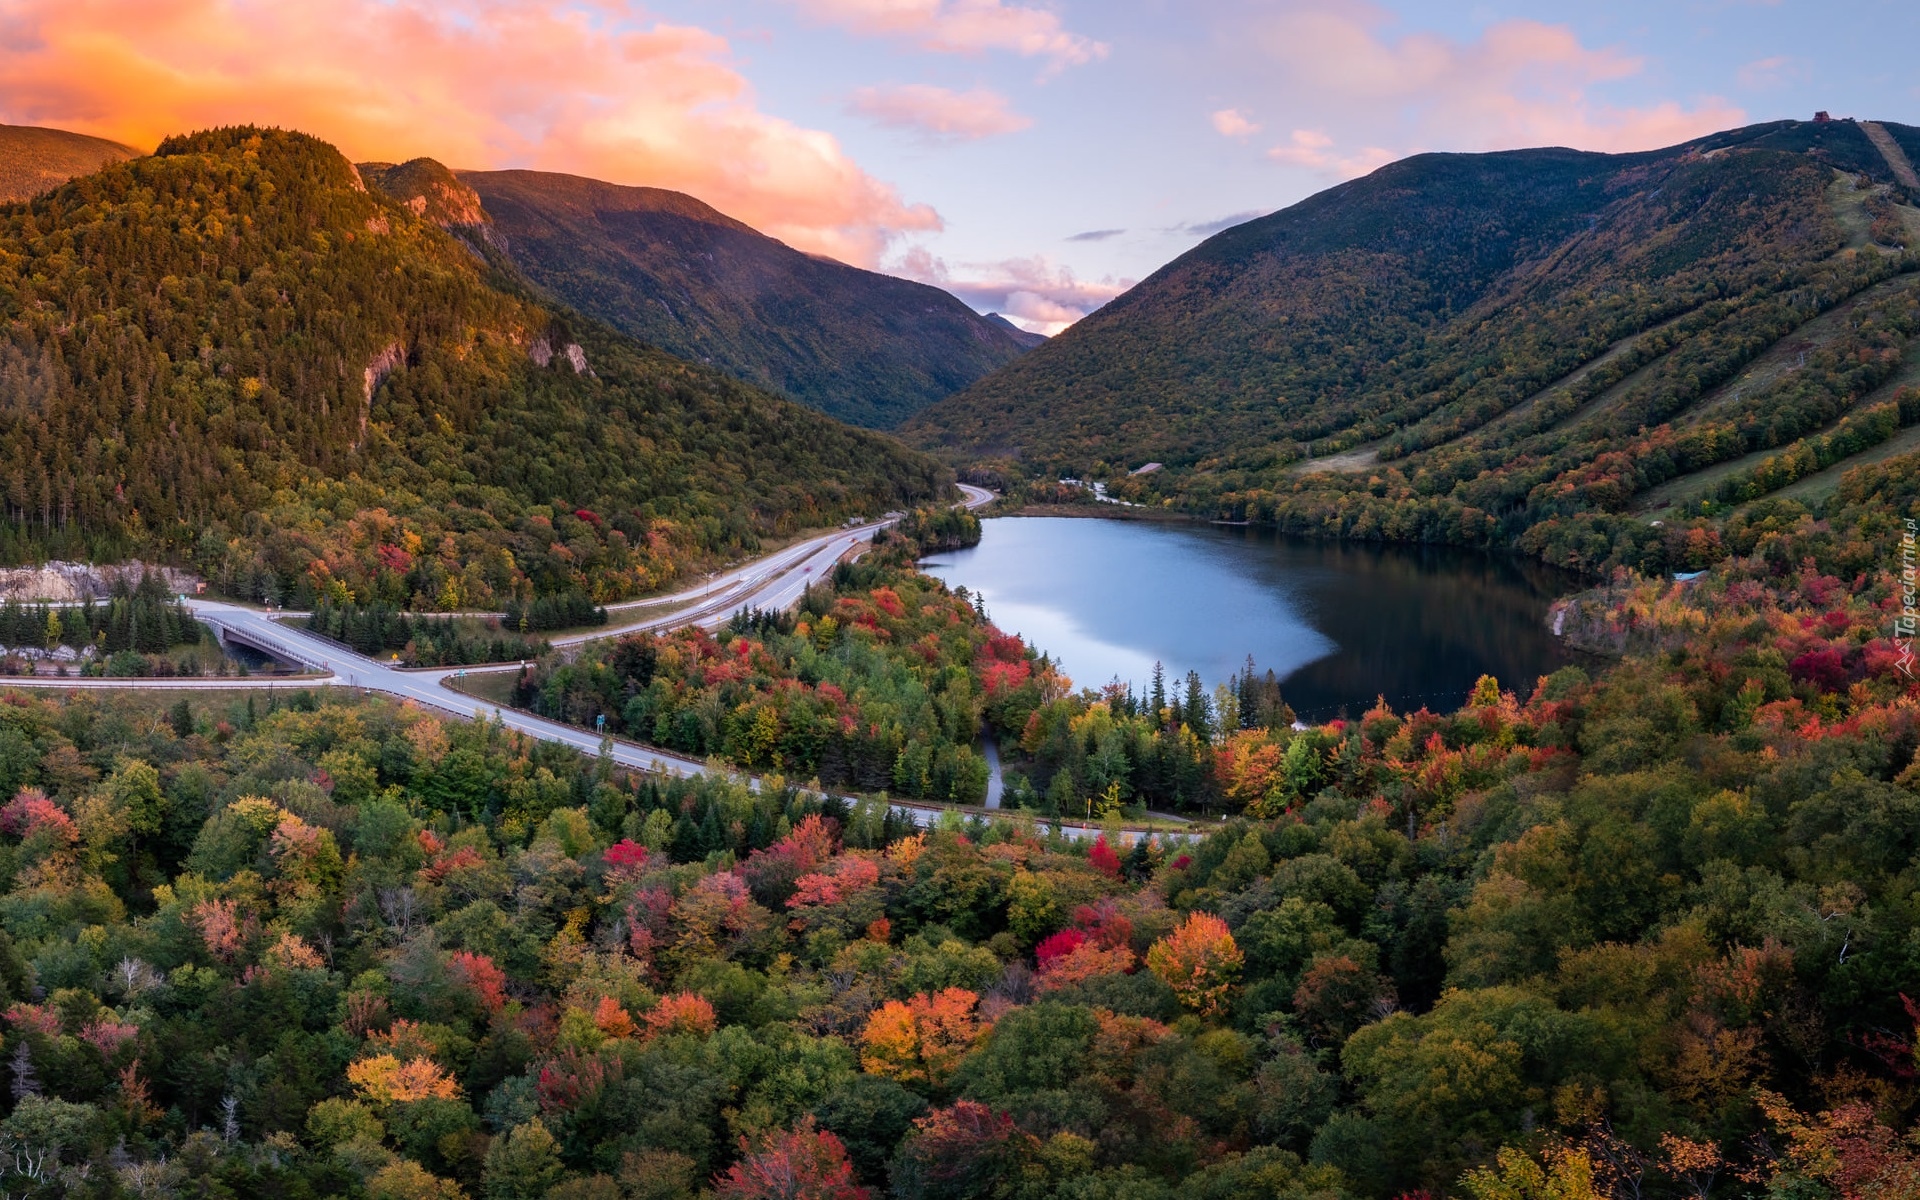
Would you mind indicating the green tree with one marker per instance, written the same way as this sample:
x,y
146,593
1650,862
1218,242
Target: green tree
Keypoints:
x,y
522,1164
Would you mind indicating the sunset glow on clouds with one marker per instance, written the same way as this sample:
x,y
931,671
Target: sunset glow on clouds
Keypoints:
x,y
1061,140
962,27
937,113
1520,83
474,83
1315,150
1231,122
1036,292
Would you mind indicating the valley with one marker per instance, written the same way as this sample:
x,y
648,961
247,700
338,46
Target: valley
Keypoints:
x,y
1487,771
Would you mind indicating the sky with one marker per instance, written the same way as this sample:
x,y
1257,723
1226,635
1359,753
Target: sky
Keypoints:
x,y
1035,157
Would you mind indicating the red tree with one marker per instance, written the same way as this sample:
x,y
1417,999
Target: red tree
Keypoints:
x,y
478,974
802,1163
960,1151
1103,858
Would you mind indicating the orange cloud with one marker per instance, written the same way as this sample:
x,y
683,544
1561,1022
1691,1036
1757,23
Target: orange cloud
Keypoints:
x,y
962,27
1520,83
935,112
579,87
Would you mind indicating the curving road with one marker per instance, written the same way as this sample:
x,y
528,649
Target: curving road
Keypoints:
x,y
772,582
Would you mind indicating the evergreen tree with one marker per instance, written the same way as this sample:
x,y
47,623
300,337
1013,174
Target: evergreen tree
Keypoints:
x,y
1197,716
181,717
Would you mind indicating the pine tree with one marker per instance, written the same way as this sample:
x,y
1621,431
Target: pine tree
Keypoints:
x,y
1198,718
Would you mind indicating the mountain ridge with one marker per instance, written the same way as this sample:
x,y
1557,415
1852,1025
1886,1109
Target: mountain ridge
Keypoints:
x,y
1394,322
677,273
232,351
1026,337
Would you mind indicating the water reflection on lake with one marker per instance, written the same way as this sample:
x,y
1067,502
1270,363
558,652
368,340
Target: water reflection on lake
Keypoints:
x,y
1339,622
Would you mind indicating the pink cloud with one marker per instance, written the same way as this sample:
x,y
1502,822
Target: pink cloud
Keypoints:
x,y
1231,122
1315,150
475,83
1520,83
962,27
938,113
1035,292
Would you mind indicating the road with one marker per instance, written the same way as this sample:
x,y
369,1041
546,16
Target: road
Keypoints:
x,y
772,582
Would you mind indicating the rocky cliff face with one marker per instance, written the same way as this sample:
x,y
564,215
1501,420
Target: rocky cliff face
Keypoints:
x,y
430,190
675,273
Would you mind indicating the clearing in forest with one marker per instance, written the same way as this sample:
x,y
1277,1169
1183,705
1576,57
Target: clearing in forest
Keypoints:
x,y
1357,459
1847,200
1699,485
1822,484
1572,379
1790,353
1891,151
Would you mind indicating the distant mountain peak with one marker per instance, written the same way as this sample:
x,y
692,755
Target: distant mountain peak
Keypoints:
x,y
35,159
675,272
1025,337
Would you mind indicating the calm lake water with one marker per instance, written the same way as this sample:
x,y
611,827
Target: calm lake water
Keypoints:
x,y
1340,623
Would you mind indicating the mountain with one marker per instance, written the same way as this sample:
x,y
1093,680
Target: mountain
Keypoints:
x,y
232,352
33,159
665,268
1536,347
1025,338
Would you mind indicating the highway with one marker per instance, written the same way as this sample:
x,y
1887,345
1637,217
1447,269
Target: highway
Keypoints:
x,y
773,582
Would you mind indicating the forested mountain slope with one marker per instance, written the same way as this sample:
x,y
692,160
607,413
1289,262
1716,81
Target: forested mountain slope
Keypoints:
x,y
34,160
673,272
232,350
1495,348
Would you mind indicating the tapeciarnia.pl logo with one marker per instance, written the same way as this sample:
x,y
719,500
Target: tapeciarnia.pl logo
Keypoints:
x,y
1903,625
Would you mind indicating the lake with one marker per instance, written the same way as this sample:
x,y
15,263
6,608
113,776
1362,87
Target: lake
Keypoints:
x,y
1339,622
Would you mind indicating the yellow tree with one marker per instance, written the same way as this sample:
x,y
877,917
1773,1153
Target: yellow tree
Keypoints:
x,y
385,1079
923,1040
1567,1175
1199,961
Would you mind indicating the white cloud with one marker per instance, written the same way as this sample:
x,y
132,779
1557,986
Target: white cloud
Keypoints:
x,y
1035,292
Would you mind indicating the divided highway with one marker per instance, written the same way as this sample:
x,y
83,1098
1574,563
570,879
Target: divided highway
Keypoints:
x,y
772,582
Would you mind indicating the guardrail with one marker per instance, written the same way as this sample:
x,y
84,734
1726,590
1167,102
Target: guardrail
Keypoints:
x,y
266,645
